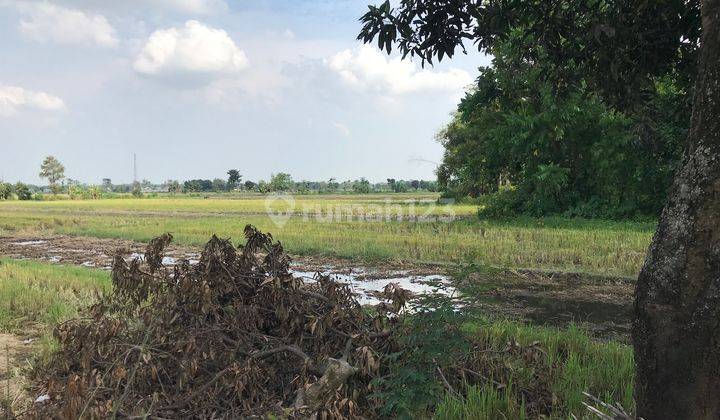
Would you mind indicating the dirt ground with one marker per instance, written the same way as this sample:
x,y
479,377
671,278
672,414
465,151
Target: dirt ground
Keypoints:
x,y
71,250
15,352
601,304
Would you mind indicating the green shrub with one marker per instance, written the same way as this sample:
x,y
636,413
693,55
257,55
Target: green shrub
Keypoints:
x,y
22,191
137,190
5,191
503,204
432,339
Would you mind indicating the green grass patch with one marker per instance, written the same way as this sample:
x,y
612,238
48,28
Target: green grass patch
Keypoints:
x,y
406,205
576,245
482,403
573,362
39,295
500,368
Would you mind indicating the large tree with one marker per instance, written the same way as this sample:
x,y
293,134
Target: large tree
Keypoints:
x,y
234,178
53,171
593,160
677,300
615,48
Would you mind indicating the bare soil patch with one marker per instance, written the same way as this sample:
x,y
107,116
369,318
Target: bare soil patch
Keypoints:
x,y
15,353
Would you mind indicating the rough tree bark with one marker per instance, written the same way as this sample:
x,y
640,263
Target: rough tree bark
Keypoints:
x,y
676,332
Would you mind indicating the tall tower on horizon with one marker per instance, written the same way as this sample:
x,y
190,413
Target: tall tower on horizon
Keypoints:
x,y
134,168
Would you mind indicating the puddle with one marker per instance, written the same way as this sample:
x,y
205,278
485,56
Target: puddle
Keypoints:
x,y
366,283
168,260
603,320
28,243
573,310
366,289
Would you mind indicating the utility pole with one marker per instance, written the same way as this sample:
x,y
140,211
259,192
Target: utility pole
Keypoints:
x,y
134,168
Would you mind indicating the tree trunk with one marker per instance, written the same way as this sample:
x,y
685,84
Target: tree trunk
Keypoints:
x,y
676,332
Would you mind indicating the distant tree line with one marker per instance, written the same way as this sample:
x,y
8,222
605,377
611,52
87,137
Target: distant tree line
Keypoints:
x,y
54,172
283,182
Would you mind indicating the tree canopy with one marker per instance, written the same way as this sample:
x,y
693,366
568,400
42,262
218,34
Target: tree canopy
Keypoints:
x,y
512,136
54,171
616,48
281,182
584,110
234,178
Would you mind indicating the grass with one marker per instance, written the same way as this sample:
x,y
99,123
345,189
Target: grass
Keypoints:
x,y
39,295
590,246
356,205
519,383
574,362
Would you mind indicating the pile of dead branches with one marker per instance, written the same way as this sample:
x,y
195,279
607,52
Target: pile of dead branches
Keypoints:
x,y
234,335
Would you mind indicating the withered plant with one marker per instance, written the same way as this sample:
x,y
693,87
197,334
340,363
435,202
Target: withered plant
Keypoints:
x,y
234,335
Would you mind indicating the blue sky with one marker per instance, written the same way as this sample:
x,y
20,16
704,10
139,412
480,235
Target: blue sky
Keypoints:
x,y
196,87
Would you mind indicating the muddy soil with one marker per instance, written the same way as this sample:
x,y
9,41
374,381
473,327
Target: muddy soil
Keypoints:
x,y
99,252
600,304
90,252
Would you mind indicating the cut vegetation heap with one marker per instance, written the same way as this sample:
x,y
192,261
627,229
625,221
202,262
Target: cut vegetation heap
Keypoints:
x,y
234,335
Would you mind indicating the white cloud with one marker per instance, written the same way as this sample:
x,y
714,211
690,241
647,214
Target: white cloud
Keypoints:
x,y
193,49
370,70
13,98
341,128
45,22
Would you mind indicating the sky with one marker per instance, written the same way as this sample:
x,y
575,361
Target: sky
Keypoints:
x,y
197,87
